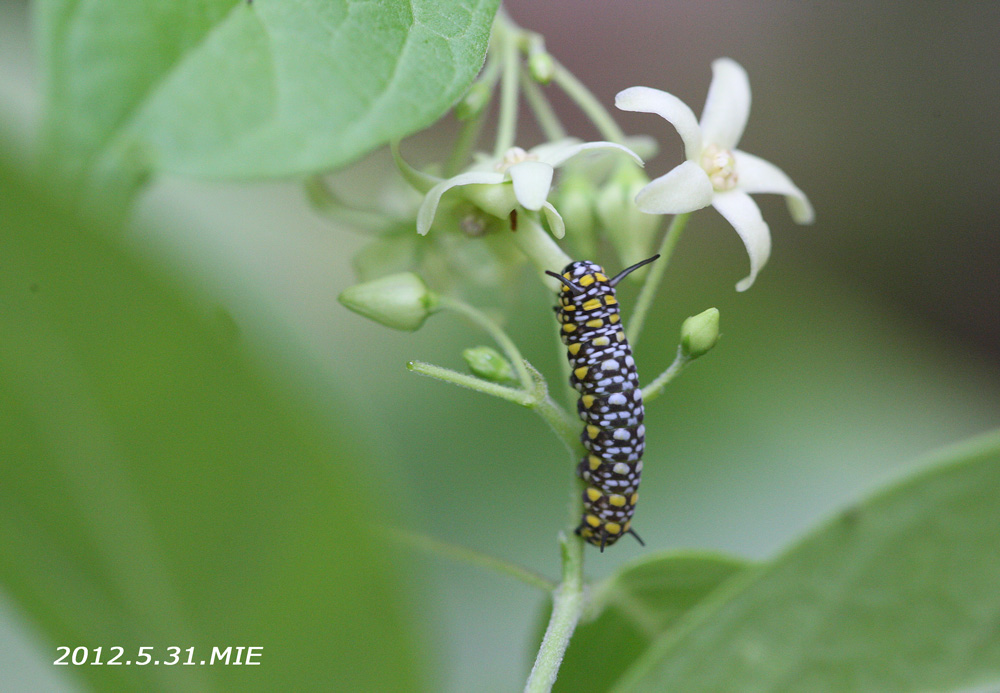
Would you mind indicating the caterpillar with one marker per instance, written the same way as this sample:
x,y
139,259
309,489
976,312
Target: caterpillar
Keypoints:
x,y
610,404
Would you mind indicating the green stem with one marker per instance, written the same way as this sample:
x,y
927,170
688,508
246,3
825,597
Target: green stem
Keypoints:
x,y
499,336
461,554
561,422
544,113
567,605
655,276
543,252
525,399
655,388
469,134
507,121
324,201
588,103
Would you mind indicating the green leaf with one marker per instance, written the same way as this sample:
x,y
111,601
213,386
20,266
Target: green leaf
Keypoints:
x,y
225,88
899,593
156,491
630,609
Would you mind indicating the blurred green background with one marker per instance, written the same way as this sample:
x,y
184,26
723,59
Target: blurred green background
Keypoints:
x,y
871,337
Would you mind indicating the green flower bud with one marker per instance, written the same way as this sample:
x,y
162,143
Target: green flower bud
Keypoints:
x,y
488,364
699,333
474,101
541,67
631,231
400,301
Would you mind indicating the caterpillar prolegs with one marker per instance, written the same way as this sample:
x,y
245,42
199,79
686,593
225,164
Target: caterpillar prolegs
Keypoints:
x,y
610,403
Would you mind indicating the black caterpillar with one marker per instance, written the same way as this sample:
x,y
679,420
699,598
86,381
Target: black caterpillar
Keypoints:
x,y
610,402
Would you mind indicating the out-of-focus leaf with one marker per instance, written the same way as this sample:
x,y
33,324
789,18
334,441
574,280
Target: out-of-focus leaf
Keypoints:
x,y
238,89
630,609
896,594
156,491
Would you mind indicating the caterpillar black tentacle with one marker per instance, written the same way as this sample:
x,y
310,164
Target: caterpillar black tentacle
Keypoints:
x,y
610,404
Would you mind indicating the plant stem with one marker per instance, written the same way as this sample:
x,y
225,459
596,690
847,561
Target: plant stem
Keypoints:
x,y
588,103
544,113
655,388
561,422
655,276
525,399
543,252
507,122
324,201
567,605
499,336
461,554
470,129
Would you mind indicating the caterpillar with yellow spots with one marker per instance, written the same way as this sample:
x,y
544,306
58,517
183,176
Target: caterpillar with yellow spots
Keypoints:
x,y
610,404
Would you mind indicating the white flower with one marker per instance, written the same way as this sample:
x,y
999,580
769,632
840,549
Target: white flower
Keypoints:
x,y
520,178
716,173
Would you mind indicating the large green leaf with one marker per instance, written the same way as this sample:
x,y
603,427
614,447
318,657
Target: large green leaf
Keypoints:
x,y
238,89
156,491
630,609
898,594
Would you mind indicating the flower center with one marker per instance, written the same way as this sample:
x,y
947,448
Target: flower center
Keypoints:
x,y
514,155
720,165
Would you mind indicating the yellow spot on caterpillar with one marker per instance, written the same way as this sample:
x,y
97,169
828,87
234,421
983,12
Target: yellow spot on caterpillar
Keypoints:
x,y
586,532
594,494
568,306
593,431
616,500
564,288
594,461
569,327
592,304
588,401
596,322
620,336
627,526
600,277
601,341
593,520
634,499
567,275
586,280
614,318
581,372
613,528
574,348
610,300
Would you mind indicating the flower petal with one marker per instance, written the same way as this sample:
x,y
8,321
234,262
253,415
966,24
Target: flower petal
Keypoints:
x,y
421,181
548,151
759,176
428,208
727,105
532,181
683,189
556,224
668,106
743,213
556,158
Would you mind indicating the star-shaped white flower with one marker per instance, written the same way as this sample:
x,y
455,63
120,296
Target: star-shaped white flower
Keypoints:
x,y
716,173
521,178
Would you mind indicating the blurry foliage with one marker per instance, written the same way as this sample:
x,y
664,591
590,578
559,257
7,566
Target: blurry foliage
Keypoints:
x,y
156,490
